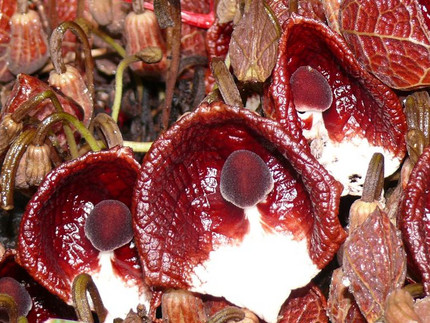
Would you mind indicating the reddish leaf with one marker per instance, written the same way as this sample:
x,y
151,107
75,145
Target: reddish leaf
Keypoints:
x,y
253,51
374,262
390,38
414,218
307,304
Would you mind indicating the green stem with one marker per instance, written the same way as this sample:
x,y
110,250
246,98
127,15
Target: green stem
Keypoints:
x,y
52,119
139,147
23,110
149,55
374,182
55,45
227,314
82,284
10,166
102,35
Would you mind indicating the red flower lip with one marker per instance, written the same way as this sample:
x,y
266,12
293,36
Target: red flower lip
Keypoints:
x,y
52,245
414,219
364,116
182,222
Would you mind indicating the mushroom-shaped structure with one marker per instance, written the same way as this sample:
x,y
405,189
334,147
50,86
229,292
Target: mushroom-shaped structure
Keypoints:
x,y
414,219
53,244
253,250
320,91
44,305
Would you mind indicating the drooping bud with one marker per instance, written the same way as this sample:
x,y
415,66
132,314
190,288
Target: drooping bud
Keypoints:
x,y
37,164
28,46
9,128
73,86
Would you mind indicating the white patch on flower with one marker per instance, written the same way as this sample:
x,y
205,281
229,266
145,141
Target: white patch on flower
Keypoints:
x,y
348,160
257,273
118,296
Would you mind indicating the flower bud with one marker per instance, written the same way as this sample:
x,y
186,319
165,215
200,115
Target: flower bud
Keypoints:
x,y
37,164
399,308
9,128
182,306
360,211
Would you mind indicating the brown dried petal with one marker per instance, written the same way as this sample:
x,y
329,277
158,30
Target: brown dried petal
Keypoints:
x,y
181,306
307,304
390,38
253,50
28,46
375,263
399,308
341,304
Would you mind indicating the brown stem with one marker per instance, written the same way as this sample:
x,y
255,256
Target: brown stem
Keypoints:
x,y
374,182
8,305
174,48
22,6
226,83
227,314
138,7
293,6
10,166
108,129
82,284
55,45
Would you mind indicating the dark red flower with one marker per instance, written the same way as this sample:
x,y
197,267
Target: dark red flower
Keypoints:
x,y
53,246
190,237
44,304
364,115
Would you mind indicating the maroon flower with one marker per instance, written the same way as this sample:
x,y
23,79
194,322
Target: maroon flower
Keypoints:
x,y
44,305
53,245
253,250
320,91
